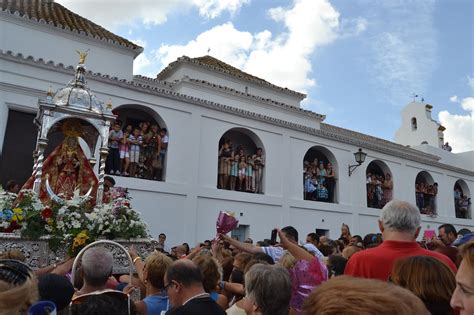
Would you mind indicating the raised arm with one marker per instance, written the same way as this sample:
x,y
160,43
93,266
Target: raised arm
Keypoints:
x,y
297,252
249,248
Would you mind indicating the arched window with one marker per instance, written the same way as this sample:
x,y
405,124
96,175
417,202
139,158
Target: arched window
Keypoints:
x,y
426,191
414,126
379,184
141,144
462,200
241,164
319,175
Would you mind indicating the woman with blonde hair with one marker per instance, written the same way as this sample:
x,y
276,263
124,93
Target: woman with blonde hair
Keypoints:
x,y
429,279
345,234
463,296
18,287
151,273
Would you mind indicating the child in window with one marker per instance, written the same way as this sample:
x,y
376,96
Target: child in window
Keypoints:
x,y
310,187
135,141
113,159
234,171
124,148
249,185
322,192
242,170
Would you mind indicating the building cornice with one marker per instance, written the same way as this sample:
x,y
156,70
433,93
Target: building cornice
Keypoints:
x,y
255,98
187,60
327,131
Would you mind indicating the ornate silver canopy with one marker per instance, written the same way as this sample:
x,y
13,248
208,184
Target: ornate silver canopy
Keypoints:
x,y
76,102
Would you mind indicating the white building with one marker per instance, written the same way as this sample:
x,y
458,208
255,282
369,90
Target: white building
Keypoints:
x,y
201,101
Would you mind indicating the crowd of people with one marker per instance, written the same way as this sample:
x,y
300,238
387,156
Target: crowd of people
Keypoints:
x,y
137,151
462,204
319,181
379,189
384,273
426,197
238,170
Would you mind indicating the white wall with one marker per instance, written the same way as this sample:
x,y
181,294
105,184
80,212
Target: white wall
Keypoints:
x,y
44,41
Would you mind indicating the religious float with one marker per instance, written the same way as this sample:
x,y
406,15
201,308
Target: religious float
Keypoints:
x,y
64,206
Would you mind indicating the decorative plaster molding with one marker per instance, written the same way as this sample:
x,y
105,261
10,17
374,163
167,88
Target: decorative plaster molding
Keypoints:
x,y
254,98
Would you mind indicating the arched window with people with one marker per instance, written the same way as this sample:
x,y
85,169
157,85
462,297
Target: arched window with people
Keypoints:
x,y
319,175
426,191
241,162
138,143
379,184
462,200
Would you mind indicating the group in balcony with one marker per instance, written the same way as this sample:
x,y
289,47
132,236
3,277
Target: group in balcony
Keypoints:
x,y
426,197
137,151
462,203
240,169
319,180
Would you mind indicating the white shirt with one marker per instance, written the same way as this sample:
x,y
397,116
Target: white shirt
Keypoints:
x,y
274,252
313,250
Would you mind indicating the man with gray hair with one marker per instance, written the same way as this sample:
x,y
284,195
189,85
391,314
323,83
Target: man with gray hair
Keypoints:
x,y
267,290
96,268
400,224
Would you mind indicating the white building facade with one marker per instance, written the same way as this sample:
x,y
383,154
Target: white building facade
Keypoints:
x,y
199,100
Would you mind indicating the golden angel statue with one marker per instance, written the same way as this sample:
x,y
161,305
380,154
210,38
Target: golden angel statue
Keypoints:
x,y
82,56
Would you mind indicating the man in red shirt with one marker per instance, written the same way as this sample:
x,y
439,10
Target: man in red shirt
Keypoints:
x,y
400,225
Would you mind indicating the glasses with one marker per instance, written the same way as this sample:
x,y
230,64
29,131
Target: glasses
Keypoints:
x,y
14,271
167,286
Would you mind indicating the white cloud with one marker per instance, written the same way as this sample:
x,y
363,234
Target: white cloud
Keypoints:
x,y
470,82
112,13
402,57
226,43
353,27
283,59
142,63
213,8
468,104
459,130
453,99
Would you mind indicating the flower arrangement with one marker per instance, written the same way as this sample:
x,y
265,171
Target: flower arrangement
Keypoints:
x,y
72,224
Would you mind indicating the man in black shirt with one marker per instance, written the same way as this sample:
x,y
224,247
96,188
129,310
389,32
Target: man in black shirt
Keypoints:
x,y
183,281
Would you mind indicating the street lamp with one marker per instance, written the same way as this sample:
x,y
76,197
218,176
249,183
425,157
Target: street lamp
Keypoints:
x,y
360,158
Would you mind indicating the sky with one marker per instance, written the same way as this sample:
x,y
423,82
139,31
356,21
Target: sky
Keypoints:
x,y
359,61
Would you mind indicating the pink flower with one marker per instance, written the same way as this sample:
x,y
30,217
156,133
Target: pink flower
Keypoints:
x,y
226,222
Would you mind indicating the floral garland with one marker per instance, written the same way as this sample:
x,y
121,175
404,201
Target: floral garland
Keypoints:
x,y
73,224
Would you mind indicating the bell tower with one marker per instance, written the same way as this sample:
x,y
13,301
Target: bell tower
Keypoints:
x,y
418,127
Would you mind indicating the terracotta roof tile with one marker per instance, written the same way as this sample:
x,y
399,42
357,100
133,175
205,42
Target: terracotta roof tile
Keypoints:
x,y
218,65
54,13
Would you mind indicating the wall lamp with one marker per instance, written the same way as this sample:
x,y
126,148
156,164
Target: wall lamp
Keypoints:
x,y
360,158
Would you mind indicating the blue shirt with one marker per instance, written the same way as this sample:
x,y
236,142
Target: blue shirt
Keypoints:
x,y
322,193
156,303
